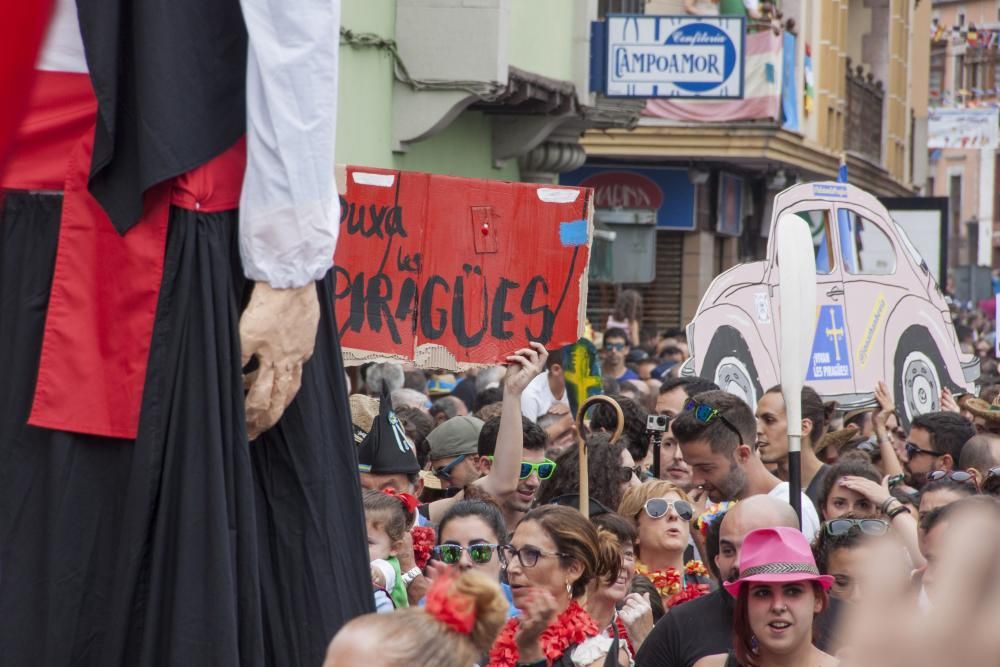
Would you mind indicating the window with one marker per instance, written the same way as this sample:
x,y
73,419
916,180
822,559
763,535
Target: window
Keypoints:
x,y
605,7
908,244
958,78
937,73
819,226
864,248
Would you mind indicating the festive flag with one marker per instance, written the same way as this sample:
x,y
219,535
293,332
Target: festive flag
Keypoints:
x,y
582,370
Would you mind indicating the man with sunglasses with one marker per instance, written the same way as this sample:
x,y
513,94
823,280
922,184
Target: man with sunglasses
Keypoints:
x,y
613,354
717,432
535,467
674,395
935,442
453,451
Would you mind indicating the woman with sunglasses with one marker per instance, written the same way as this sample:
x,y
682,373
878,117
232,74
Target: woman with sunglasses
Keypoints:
x,y
468,537
611,471
865,497
662,514
552,557
779,593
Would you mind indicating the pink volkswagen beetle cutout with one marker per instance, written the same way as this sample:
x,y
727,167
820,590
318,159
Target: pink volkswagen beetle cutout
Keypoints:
x,y
879,312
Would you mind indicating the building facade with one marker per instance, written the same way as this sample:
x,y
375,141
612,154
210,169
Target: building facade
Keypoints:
x,y
827,82
964,74
494,89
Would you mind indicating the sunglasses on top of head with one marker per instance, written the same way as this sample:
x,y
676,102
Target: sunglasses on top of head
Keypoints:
x,y
706,414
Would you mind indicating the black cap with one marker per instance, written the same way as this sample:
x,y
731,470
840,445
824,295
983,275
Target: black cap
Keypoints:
x,y
386,450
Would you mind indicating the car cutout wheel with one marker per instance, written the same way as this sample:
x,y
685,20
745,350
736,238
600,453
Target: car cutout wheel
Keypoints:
x,y
729,364
921,385
732,375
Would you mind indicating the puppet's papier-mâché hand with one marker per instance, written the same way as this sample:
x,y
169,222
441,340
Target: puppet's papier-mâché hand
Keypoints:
x,y
279,328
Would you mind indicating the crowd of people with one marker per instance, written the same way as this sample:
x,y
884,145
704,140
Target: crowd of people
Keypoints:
x,y
480,554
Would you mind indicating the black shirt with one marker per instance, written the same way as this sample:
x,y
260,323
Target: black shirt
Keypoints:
x,y
704,626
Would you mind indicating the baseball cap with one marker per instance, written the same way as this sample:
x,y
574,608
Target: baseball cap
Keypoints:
x,y
457,436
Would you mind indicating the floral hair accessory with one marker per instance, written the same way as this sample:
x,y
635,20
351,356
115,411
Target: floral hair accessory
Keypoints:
x,y
711,514
409,501
423,543
455,610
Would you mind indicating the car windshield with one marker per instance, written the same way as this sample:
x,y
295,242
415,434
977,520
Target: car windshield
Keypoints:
x,y
908,244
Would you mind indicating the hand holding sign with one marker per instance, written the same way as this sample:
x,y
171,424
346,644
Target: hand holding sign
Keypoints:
x,y
524,366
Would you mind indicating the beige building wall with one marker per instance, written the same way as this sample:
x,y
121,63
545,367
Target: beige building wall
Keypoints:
x,y
859,18
977,12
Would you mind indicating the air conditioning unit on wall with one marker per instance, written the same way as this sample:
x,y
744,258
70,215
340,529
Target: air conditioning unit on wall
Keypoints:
x,y
631,256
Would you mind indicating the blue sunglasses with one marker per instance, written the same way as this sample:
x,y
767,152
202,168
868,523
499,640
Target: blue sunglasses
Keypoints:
x,y
706,414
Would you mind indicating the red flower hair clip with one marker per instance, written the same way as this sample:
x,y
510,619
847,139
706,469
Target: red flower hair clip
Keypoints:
x,y
423,544
457,611
409,501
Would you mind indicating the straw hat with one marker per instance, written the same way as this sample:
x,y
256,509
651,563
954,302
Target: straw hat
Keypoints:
x,y
774,556
364,410
980,408
836,439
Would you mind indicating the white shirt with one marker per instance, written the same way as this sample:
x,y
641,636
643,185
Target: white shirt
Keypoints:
x,y
289,207
810,520
537,398
384,603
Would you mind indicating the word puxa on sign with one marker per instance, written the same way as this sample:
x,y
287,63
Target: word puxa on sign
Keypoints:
x,y
427,264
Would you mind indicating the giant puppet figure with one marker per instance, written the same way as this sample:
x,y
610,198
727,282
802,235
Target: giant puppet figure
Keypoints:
x,y
139,524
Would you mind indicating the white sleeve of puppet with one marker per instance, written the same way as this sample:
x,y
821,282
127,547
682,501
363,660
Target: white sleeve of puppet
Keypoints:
x,y
289,207
591,650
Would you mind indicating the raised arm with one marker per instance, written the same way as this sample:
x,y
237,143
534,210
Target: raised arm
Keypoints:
x,y
890,461
523,366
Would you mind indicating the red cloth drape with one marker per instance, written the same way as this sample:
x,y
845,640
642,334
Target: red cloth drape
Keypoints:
x,y
21,33
105,286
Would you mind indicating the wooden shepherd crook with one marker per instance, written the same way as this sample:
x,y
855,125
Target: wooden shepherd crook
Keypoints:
x,y
581,444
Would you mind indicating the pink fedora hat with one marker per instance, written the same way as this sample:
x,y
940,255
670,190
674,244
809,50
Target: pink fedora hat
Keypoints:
x,y
776,555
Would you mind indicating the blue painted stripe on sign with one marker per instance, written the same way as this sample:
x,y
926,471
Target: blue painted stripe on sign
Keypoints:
x,y
573,233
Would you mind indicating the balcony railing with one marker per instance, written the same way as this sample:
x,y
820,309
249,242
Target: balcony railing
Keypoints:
x,y
865,99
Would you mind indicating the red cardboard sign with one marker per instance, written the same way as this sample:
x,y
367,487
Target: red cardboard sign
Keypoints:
x,y
452,272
